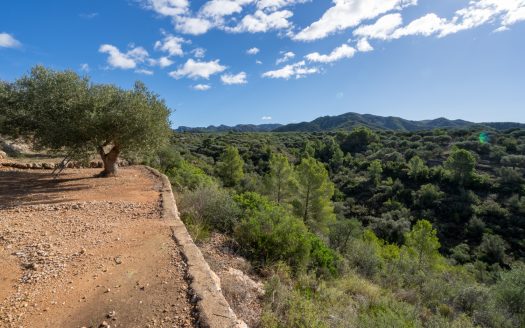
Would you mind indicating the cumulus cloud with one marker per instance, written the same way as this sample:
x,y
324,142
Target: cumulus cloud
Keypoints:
x,y
127,60
297,70
168,7
253,51
197,69
382,28
201,87
263,22
364,46
8,41
286,57
348,13
230,79
343,51
477,13
266,118
171,44
162,62
192,25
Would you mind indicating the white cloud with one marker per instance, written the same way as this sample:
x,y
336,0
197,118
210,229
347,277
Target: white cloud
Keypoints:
x,y
297,70
263,22
84,68
477,13
266,118
221,8
253,51
425,26
286,57
514,16
201,87
343,51
195,69
258,62
199,52
122,60
144,71
234,79
501,29
162,62
8,41
277,4
192,25
171,44
382,29
364,46
168,7
349,13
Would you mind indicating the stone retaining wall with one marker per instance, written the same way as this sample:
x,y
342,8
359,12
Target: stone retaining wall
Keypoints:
x,y
213,309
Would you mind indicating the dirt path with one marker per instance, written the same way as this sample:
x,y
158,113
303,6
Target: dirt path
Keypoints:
x,y
87,252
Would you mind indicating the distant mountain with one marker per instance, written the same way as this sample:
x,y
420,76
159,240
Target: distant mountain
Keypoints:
x,y
237,128
350,120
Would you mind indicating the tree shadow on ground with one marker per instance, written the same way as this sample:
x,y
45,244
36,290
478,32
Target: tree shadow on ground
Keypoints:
x,y
35,188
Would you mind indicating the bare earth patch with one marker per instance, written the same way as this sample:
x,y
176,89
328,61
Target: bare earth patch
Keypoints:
x,y
240,286
88,252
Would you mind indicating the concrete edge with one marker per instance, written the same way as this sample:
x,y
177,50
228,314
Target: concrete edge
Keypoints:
x,y
213,309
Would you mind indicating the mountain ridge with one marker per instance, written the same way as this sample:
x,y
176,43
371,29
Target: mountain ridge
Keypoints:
x,y
348,121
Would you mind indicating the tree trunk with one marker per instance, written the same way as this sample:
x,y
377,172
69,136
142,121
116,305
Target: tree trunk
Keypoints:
x,y
110,161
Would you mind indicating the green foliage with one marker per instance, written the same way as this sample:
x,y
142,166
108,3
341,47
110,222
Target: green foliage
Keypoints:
x,y
423,245
358,140
60,110
375,171
510,293
280,182
186,176
315,191
417,169
461,164
492,249
429,195
230,167
268,234
211,207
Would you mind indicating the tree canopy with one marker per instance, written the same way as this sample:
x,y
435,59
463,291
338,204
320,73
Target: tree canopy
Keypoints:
x,y
61,111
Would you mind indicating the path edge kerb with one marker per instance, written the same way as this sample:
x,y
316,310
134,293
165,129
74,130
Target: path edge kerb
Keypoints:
x,y
213,311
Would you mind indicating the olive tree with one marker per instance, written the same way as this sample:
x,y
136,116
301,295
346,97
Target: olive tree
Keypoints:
x,y
61,111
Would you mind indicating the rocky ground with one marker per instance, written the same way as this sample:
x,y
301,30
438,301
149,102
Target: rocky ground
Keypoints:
x,y
88,252
241,287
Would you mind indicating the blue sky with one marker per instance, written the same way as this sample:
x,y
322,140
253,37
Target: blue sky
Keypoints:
x,y
280,61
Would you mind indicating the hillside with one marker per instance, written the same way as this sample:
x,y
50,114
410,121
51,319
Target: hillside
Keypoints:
x,y
348,121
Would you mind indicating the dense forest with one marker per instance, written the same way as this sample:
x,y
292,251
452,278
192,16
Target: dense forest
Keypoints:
x,y
366,228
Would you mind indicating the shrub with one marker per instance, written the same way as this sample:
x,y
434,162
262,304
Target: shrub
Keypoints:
x,y
268,234
211,207
185,176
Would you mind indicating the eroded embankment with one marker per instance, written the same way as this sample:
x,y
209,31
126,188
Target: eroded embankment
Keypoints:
x,y
212,308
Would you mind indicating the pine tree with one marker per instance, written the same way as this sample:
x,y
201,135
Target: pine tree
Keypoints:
x,y
280,181
230,167
375,170
315,191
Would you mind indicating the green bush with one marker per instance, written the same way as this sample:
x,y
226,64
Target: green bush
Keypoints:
x,y
185,176
268,234
210,207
